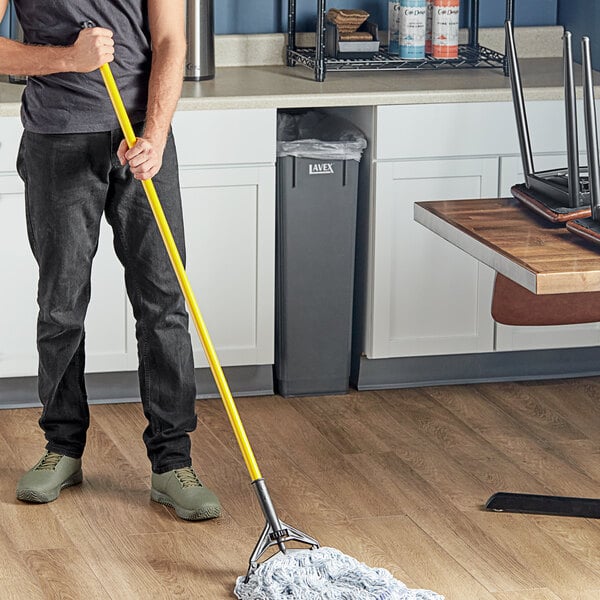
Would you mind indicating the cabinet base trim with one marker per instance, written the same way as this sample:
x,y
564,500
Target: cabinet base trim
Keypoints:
x,y
419,371
105,388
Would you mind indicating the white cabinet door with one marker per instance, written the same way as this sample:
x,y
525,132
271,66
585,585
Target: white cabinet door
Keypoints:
x,y
230,237
427,297
18,354
108,340
109,331
556,336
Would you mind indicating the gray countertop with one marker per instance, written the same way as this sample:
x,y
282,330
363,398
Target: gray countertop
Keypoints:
x,y
284,87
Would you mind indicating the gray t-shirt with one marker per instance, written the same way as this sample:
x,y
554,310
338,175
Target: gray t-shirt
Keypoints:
x,y
78,102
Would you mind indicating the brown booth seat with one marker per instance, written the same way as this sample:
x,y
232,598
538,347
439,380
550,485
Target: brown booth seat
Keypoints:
x,y
512,304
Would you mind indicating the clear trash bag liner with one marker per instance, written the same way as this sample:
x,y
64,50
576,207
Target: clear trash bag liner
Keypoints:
x,y
315,134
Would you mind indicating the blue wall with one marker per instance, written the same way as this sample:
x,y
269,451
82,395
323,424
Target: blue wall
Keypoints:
x,y
582,17
4,25
267,16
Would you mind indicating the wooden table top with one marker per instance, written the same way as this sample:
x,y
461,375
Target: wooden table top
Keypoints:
x,y
500,232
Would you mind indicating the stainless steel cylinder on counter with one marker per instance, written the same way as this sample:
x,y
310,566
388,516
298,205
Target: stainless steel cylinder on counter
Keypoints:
x,y
200,59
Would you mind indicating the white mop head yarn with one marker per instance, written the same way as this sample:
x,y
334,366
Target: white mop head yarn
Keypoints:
x,y
323,574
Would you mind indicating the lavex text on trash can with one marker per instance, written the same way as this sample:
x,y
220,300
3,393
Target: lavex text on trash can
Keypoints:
x,y
445,28
320,168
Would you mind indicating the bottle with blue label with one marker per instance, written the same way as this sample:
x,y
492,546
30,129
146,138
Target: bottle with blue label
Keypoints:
x,y
408,26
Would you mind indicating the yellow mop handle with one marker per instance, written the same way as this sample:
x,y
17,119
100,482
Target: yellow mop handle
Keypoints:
x,y
184,283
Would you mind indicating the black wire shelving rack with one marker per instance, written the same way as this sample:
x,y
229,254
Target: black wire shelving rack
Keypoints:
x,y
470,55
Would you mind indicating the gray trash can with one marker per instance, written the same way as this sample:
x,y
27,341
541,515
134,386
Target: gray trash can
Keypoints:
x,y
317,188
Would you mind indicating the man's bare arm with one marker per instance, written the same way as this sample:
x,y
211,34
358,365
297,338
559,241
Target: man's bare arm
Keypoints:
x,y
167,28
93,48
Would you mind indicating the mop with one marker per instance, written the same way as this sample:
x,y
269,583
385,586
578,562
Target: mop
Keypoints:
x,y
300,574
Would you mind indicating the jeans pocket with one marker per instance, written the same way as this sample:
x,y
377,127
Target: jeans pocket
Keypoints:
x,y
22,171
21,158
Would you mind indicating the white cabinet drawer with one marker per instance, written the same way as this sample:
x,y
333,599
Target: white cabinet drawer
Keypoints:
x,y
428,130
225,137
469,129
212,137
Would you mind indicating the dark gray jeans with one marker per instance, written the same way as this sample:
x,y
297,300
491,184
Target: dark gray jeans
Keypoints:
x,y
71,180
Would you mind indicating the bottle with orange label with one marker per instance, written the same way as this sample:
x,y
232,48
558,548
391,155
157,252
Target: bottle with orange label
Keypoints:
x,y
444,28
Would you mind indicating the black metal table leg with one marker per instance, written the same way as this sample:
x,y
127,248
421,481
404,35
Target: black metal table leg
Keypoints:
x,y
474,24
510,16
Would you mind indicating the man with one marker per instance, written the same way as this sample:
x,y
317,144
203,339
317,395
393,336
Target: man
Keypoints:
x,y
77,167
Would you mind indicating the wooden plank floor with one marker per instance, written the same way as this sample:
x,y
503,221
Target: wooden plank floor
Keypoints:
x,y
396,479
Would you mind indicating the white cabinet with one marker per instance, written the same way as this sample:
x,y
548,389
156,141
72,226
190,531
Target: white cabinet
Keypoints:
x,y
19,283
227,161
227,170
108,340
555,336
428,297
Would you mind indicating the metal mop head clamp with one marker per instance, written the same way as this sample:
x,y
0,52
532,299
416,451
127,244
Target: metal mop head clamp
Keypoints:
x,y
291,573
